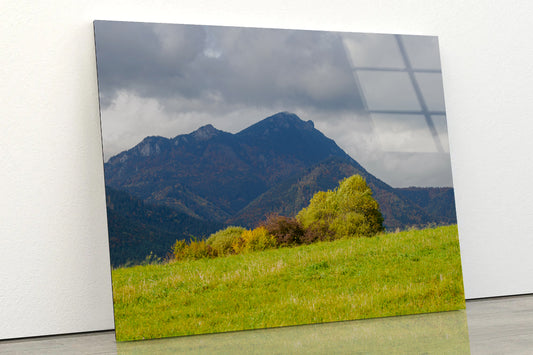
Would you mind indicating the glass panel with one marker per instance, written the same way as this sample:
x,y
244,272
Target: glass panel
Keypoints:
x,y
373,50
431,86
423,51
403,133
388,91
442,130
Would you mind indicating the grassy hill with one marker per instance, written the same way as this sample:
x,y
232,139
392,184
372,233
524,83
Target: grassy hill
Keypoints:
x,y
409,272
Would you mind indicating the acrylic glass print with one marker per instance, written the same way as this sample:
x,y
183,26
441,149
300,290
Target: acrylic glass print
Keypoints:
x,y
262,177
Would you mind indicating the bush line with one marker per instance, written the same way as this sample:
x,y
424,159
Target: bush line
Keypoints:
x,y
345,212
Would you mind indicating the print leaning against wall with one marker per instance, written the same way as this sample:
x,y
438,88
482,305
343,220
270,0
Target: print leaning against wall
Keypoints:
x,y
263,177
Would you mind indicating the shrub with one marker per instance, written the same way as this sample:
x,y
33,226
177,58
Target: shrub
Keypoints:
x,y
199,250
192,251
223,240
255,240
318,231
178,249
349,210
286,230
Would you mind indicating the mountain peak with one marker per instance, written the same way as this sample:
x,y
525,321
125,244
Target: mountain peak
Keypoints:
x,y
205,132
284,116
286,119
281,121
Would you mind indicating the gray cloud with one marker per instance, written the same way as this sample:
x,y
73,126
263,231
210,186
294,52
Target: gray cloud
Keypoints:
x,y
404,169
148,59
162,79
233,65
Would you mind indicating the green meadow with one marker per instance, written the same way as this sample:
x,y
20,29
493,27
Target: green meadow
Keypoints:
x,y
415,271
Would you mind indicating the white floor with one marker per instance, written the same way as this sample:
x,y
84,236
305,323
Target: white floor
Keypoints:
x,y
489,326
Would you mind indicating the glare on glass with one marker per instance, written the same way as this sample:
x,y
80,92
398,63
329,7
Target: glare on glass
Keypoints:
x,y
388,91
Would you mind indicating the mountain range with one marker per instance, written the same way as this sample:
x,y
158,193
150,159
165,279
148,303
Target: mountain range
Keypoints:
x,y
211,178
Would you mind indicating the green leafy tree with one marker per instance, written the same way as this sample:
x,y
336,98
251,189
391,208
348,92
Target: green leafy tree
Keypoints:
x,y
348,211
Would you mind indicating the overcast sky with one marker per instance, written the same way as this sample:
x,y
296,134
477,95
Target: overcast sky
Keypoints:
x,y
167,80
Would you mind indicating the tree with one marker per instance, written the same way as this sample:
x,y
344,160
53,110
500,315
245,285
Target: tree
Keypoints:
x,y
348,211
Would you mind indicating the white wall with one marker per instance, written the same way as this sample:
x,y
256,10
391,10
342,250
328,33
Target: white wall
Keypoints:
x,y
54,262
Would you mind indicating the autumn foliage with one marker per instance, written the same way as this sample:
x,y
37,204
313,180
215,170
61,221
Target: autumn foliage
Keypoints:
x,y
287,230
348,211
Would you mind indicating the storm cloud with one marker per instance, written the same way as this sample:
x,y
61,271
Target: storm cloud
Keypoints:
x,y
164,79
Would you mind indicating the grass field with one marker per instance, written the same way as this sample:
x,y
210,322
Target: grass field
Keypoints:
x,y
409,272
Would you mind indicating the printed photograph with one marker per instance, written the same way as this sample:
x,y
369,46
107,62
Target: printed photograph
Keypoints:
x,y
261,178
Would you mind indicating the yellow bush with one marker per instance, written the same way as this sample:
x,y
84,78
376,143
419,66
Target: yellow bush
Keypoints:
x,y
223,240
193,250
254,240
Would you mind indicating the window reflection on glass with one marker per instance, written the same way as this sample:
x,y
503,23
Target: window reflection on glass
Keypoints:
x,y
442,130
423,51
388,91
367,50
400,84
431,86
